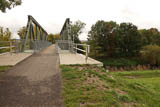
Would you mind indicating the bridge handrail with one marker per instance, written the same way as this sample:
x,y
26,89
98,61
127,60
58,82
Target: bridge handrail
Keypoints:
x,y
6,47
86,50
9,46
73,47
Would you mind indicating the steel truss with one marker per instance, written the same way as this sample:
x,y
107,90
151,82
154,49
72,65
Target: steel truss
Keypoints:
x,y
35,36
66,42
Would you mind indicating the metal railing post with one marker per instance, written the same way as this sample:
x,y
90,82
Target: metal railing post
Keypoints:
x,y
86,53
76,48
10,47
88,48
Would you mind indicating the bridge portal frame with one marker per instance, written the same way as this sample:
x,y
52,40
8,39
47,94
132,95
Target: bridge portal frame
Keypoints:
x,y
36,35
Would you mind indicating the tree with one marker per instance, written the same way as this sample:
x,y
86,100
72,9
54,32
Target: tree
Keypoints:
x,y
21,32
1,33
5,35
102,37
146,37
8,4
128,39
150,36
151,54
76,30
53,37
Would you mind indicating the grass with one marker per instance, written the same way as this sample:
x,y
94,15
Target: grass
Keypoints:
x,y
90,86
4,68
4,50
120,62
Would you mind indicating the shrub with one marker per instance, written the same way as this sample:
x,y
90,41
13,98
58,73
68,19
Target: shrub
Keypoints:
x,y
151,54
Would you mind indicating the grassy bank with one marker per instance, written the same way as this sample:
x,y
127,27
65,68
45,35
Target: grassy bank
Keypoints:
x,y
4,50
4,68
120,62
89,86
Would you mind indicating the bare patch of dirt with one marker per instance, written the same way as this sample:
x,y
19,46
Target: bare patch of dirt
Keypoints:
x,y
120,92
131,104
94,80
89,67
130,77
110,76
85,104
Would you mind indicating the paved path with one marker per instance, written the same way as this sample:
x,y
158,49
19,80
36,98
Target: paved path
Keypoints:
x,y
35,82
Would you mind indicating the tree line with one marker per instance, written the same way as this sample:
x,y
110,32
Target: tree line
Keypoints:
x,y
124,39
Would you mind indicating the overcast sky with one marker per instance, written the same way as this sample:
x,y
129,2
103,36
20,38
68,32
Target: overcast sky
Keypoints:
x,y
51,14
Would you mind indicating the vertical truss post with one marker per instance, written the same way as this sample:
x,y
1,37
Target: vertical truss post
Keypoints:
x,y
26,34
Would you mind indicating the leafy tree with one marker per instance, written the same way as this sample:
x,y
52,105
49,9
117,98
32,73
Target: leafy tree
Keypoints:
x,y
53,37
102,37
5,35
150,36
21,32
145,36
156,36
76,30
8,4
128,39
151,54
1,33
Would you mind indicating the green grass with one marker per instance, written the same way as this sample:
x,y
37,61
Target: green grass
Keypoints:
x,y
120,62
4,68
90,86
4,44
4,50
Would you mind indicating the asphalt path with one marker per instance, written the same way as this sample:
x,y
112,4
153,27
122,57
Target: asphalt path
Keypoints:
x,y
34,82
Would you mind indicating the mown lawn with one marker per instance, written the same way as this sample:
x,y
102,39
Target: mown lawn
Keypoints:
x,y
90,86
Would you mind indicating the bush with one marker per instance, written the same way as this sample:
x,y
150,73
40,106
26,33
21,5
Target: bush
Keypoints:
x,y
120,62
151,54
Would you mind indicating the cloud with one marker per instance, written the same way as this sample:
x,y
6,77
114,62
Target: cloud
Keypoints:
x,y
51,14
128,14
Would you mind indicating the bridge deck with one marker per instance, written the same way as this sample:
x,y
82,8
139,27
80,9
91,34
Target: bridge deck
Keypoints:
x,y
12,59
72,59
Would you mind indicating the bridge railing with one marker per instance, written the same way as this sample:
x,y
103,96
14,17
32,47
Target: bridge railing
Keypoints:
x,y
6,46
86,49
15,46
32,45
64,46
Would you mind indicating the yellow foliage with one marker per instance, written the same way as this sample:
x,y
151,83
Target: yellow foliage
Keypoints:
x,y
151,54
